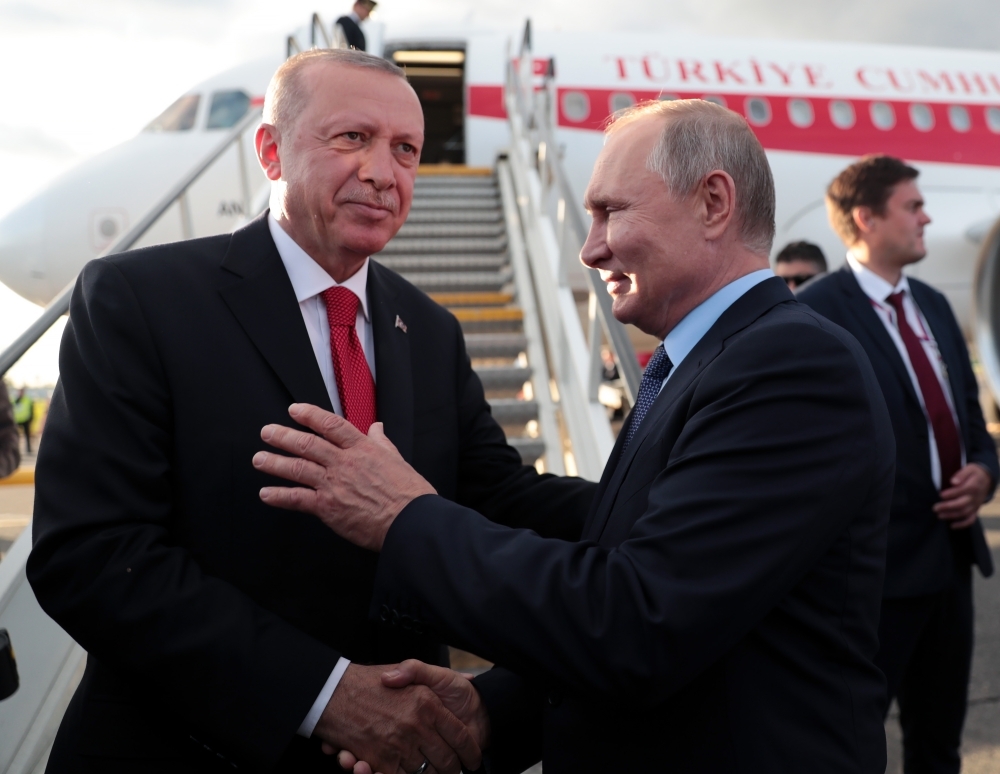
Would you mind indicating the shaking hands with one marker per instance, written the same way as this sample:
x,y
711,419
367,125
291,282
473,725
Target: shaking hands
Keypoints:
x,y
414,717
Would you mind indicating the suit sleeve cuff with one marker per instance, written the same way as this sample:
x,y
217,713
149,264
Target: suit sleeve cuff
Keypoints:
x,y
309,724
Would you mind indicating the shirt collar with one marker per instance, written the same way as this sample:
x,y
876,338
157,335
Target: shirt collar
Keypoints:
x,y
689,331
308,277
876,288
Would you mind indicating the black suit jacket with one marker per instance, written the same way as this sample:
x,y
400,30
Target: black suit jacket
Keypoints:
x,y
212,621
922,549
720,613
352,31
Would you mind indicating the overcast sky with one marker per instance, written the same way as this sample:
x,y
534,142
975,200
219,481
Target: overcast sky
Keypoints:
x,y
80,76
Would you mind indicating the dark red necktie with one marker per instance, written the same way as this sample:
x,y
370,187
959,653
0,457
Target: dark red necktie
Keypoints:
x,y
354,379
945,433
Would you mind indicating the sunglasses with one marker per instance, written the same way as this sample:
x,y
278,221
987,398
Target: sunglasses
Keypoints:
x,y
798,279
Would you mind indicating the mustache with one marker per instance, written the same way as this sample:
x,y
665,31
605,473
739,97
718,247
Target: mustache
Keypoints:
x,y
373,198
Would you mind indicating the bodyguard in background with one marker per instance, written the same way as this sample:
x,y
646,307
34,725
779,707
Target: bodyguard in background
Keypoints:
x,y
946,462
350,25
10,455
799,262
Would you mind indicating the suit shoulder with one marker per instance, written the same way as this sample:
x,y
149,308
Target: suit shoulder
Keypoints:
x,y
821,289
795,327
159,262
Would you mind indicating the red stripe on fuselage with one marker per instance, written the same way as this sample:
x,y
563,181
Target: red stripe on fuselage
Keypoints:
x,y
486,102
978,146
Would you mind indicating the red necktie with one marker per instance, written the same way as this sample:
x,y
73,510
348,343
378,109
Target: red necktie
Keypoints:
x,y
354,379
945,433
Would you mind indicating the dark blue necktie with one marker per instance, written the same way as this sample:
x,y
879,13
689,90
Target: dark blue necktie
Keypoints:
x,y
652,380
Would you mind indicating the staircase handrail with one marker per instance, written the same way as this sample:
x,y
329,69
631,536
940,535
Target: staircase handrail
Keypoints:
x,y
555,230
541,117
60,304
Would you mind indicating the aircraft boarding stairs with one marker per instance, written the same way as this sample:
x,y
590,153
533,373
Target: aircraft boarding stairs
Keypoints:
x,y
454,247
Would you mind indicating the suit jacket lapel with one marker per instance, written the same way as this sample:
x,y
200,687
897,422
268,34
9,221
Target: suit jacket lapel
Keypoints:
x,y
263,301
860,307
744,311
393,366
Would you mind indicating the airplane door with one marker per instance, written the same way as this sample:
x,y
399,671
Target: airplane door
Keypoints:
x,y
437,74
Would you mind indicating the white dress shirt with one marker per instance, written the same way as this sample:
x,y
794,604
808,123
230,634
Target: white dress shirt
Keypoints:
x,y
309,280
878,290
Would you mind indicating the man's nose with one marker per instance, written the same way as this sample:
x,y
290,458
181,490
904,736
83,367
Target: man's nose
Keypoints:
x,y
376,167
595,249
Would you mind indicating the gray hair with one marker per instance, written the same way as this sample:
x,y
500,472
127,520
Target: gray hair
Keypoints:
x,y
699,137
286,95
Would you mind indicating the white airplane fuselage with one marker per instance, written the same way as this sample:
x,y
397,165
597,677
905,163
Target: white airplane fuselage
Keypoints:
x,y
815,107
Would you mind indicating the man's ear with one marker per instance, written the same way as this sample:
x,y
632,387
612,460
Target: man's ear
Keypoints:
x,y
864,219
266,142
718,203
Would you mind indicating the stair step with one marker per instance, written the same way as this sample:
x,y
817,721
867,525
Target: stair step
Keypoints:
x,y
511,411
489,314
455,203
446,230
443,263
459,245
435,183
460,282
503,377
495,344
452,300
454,216
455,190
530,449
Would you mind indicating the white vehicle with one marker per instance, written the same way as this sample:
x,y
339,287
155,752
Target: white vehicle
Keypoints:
x,y
814,106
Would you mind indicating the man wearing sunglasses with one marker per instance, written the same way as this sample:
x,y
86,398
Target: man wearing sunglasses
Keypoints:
x,y
799,262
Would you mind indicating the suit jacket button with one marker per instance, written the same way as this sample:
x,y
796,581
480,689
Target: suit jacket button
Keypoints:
x,y
384,613
555,698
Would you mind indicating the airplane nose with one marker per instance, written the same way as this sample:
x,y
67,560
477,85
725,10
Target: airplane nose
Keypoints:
x,y
21,245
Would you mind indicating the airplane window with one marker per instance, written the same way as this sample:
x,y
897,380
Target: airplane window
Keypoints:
x,y
715,99
758,111
667,97
842,114
576,106
179,117
993,119
959,118
800,113
922,117
883,116
621,101
227,108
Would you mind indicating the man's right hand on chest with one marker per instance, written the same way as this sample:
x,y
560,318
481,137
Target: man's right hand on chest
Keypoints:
x,y
395,724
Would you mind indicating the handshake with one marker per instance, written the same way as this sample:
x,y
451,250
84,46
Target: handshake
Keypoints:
x,y
408,719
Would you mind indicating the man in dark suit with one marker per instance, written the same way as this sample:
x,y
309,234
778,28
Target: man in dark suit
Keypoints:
x,y
219,631
946,462
350,25
720,612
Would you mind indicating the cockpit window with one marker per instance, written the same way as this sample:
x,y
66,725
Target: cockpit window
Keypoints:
x,y
179,117
227,108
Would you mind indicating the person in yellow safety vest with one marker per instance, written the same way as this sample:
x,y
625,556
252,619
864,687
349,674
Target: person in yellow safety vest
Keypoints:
x,y
10,455
24,411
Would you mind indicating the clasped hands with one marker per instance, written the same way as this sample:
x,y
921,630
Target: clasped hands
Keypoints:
x,y
390,722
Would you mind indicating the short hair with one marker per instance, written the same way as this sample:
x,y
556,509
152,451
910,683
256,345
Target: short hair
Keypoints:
x,y
286,96
700,137
868,182
802,251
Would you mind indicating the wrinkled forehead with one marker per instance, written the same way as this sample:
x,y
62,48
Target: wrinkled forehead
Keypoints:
x,y
622,162
344,92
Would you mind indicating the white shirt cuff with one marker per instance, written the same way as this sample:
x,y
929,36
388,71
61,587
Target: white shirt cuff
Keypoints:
x,y
306,729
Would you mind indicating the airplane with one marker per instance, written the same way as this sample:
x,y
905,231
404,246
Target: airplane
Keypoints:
x,y
814,106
